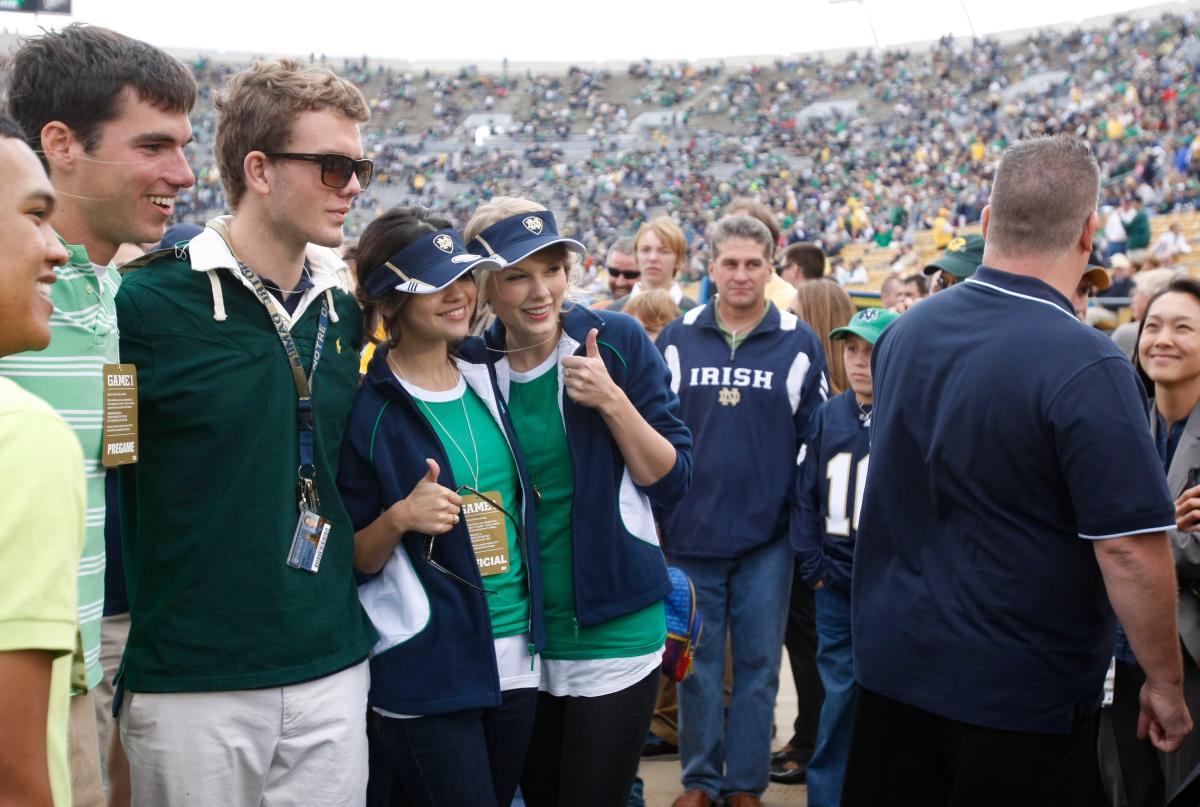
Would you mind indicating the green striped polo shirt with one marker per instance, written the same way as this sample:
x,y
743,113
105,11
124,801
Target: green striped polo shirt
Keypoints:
x,y
68,376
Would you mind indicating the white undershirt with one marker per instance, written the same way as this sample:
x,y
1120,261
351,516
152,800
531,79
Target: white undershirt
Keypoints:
x,y
588,678
517,669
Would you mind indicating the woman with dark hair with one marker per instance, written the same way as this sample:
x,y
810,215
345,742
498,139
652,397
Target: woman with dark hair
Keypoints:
x,y
445,540
591,402
1168,358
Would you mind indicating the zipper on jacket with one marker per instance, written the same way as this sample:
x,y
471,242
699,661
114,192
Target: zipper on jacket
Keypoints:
x,y
575,624
733,342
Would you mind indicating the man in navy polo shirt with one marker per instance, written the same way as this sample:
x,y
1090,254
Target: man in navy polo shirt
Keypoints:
x,y
1014,494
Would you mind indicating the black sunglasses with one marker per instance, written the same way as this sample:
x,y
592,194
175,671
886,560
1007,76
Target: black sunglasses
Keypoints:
x,y
428,554
628,274
336,169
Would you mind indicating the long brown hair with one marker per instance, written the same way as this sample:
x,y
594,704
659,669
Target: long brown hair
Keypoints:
x,y
825,305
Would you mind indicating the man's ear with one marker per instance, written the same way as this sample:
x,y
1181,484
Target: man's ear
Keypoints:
x,y
1087,237
984,219
60,144
254,168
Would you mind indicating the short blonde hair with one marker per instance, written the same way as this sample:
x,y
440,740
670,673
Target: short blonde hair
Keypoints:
x,y
669,234
261,103
654,308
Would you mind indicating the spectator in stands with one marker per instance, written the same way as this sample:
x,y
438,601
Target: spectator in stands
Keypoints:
x,y
825,306
653,308
109,117
621,267
729,360
1122,279
943,229
43,527
853,275
1172,243
960,260
829,495
1137,227
1114,231
1169,356
592,405
802,262
891,291
454,678
661,251
1146,284
916,287
256,641
949,710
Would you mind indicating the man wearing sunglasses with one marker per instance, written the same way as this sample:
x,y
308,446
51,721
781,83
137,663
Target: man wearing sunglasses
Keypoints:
x,y
248,633
622,268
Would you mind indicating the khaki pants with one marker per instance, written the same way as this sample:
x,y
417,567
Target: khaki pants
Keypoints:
x,y
300,744
87,788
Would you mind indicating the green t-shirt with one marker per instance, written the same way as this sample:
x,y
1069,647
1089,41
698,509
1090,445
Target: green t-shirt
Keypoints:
x,y
480,457
41,536
533,403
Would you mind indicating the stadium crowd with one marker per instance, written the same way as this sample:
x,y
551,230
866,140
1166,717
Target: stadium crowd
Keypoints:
x,y
295,521
914,152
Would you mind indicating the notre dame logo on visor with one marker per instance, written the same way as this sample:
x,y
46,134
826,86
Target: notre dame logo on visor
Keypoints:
x,y
444,242
957,245
533,224
870,315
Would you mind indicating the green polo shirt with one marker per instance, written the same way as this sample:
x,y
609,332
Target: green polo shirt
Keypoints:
x,y
208,512
68,376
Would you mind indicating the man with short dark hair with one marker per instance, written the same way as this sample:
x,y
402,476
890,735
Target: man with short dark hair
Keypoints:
x,y
109,117
802,262
243,637
749,377
41,473
916,287
991,544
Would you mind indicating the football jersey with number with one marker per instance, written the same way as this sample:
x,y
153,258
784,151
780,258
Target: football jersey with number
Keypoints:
x,y
829,492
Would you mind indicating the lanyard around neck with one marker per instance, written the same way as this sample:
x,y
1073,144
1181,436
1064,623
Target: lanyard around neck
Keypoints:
x,y
304,383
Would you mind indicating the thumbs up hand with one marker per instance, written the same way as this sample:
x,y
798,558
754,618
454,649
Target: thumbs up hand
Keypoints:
x,y
586,379
429,509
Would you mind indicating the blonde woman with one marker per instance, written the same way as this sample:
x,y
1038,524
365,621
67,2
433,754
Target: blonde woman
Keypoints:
x,y
660,250
592,407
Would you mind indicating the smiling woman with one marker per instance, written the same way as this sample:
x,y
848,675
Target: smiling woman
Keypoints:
x,y
1168,356
436,493
592,407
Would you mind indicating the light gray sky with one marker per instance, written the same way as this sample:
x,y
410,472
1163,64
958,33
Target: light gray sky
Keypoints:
x,y
572,31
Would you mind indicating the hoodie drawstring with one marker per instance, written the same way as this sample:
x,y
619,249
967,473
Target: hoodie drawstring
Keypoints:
x,y
333,317
218,298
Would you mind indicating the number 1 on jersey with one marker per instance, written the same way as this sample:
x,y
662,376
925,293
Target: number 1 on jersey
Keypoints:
x,y
838,474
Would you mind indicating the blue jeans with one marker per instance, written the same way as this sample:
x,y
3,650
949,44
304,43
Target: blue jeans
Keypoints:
x,y
748,596
835,661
